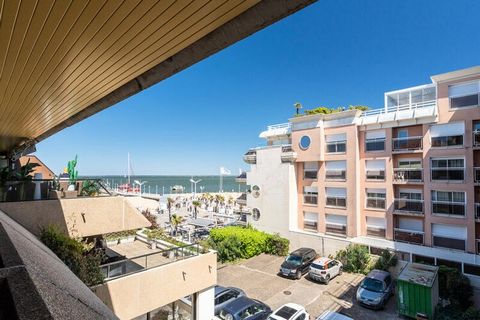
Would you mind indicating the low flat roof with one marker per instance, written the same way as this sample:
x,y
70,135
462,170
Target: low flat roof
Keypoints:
x,y
418,273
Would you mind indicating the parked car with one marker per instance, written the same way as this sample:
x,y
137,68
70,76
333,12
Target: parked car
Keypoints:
x,y
244,308
375,289
298,262
225,295
332,315
290,311
325,269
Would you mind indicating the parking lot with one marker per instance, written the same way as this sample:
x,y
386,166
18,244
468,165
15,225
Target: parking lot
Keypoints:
x,y
258,278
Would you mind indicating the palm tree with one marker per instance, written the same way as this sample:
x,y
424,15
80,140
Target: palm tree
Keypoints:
x,y
175,221
195,204
170,202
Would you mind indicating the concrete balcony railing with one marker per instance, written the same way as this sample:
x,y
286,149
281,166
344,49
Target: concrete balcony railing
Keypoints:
x,y
409,206
407,175
476,174
409,236
288,155
476,138
477,211
242,200
250,157
407,144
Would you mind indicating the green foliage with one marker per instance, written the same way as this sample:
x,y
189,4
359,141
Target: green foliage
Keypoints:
x,y
386,260
234,243
120,234
151,218
25,172
90,188
72,173
322,110
361,108
454,286
454,312
355,258
79,257
160,234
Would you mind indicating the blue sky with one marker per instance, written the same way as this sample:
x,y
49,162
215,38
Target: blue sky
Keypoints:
x,y
332,53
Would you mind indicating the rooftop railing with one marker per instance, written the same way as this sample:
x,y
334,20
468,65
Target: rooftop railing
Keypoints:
x,y
286,125
45,189
144,262
404,107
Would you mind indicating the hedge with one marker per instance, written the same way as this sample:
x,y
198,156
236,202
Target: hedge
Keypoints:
x,y
232,243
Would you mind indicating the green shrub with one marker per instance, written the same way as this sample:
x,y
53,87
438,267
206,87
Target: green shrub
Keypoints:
x,y
385,261
77,256
234,243
454,312
454,286
355,258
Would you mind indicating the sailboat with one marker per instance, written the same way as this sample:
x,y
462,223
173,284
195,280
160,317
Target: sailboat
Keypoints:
x,y
128,187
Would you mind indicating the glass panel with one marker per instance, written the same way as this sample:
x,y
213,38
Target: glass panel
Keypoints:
x,y
466,101
403,98
416,96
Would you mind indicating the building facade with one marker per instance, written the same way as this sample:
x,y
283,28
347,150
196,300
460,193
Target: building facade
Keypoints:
x,y
405,177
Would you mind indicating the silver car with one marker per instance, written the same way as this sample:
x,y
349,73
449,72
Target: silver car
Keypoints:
x,y
225,295
375,289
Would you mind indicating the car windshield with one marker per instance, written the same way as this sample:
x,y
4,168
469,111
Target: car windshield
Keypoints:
x,y
318,266
372,285
294,259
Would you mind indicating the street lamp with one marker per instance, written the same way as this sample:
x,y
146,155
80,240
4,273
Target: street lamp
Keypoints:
x,y
298,106
140,184
195,186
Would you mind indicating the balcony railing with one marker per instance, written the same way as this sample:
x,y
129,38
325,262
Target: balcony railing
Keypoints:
x,y
250,157
339,175
336,147
408,174
476,138
376,203
144,262
404,107
408,206
407,144
376,144
448,174
338,202
476,174
288,155
448,208
45,189
409,236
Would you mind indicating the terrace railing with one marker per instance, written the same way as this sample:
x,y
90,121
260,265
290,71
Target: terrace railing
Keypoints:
x,y
408,174
407,144
404,107
409,236
408,206
147,261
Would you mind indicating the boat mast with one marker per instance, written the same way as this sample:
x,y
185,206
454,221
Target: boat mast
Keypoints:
x,y
128,168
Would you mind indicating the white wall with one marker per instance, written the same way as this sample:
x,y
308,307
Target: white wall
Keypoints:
x,y
204,304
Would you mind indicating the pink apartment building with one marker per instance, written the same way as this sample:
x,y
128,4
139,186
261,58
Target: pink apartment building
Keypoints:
x,y
405,177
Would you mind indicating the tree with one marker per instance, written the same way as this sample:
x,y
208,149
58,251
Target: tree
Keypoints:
x,y
170,203
195,204
361,108
176,221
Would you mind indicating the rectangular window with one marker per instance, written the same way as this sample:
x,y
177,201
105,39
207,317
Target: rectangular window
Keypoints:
x,y
336,224
464,95
310,170
448,169
472,269
375,169
336,170
310,221
336,197
375,140
376,198
376,227
336,143
423,259
450,264
448,202
447,135
409,201
310,195
408,170
449,236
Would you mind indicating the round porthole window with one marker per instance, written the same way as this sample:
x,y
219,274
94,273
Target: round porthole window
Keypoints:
x,y
304,142
255,214
255,191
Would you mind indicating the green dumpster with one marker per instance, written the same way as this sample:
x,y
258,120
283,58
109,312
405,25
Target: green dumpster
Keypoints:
x,y
417,291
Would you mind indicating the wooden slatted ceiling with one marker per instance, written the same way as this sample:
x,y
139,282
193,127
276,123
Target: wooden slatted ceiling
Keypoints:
x,y
58,57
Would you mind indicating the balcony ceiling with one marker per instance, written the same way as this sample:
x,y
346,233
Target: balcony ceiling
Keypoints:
x,y
62,61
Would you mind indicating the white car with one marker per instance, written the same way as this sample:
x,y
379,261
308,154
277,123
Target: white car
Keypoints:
x,y
290,311
331,315
325,269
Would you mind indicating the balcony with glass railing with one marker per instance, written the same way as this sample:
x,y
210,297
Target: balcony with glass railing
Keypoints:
x,y
288,155
408,206
407,144
408,236
450,208
336,202
447,174
407,175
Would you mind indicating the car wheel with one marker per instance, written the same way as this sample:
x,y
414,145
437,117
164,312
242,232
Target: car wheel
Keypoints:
x,y
327,279
299,274
340,271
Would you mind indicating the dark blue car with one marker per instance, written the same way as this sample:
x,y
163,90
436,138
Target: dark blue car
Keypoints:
x,y
244,308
